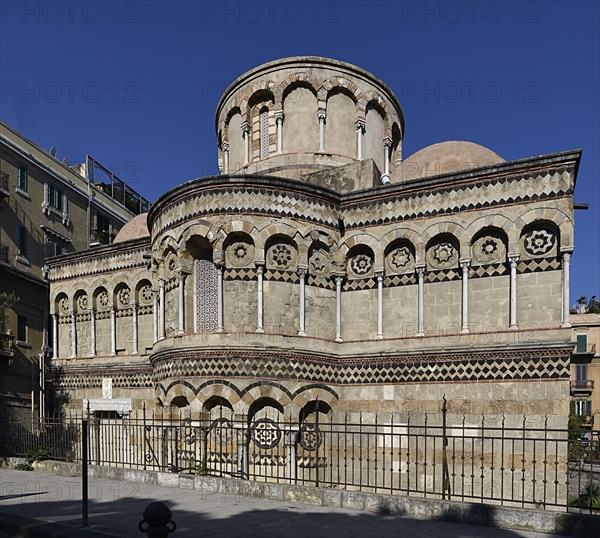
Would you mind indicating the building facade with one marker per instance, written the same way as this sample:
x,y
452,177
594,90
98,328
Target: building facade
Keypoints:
x,y
47,208
585,369
322,265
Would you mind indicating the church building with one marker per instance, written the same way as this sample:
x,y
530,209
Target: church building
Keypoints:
x,y
325,265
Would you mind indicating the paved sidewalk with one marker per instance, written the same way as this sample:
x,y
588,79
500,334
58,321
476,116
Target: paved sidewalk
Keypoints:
x,y
116,507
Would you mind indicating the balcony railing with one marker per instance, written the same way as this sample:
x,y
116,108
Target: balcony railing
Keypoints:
x,y
99,237
585,349
6,345
582,384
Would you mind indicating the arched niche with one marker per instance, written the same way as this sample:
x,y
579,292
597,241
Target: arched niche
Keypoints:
x,y
340,130
300,125
374,133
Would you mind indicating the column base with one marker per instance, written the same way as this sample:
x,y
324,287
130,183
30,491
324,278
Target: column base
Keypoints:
x,y
180,333
380,337
301,333
338,339
220,330
464,330
420,334
513,328
566,325
260,330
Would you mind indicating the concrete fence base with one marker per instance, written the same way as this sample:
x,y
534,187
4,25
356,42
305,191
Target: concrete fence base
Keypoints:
x,y
546,521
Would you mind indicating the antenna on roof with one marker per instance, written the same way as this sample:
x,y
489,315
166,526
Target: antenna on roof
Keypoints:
x,y
53,151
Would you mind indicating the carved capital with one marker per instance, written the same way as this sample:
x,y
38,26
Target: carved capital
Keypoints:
x,y
360,124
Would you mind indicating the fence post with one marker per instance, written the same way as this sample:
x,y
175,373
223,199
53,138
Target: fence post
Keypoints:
x,y
291,438
84,472
243,445
445,472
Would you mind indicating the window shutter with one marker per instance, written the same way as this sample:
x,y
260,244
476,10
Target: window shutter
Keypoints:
x,y
581,343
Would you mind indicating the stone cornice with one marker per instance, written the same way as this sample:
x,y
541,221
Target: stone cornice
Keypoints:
x,y
106,259
304,62
483,179
524,351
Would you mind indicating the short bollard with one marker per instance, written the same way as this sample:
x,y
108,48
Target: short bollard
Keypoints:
x,y
157,522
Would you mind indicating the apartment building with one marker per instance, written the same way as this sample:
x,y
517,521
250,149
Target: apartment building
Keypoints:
x,y
47,208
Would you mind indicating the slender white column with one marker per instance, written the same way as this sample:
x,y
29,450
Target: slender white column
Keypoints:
x,y
360,129
220,327
302,275
566,266
387,144
113,330
513,291
134,316
246,137
73,335
161,308
181,304
93,332
155,317
260,325
321,116
338,309
225,148
55,336
465,296
421,324
279,125
379,275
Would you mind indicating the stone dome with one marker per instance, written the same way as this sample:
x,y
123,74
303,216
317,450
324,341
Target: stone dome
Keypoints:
x,y
445,158
304,114
136,228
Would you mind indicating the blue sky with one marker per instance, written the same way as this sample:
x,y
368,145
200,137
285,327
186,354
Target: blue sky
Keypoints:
x,y
136,84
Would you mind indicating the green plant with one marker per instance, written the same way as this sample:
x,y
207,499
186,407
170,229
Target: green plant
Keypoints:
x,y
24,467
201,469
590,496
574,427
37,454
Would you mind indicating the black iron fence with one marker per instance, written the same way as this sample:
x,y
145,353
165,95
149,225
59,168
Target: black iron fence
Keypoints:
x,y
512,461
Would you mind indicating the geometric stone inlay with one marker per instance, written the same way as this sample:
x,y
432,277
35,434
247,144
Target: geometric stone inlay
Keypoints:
x,y
206,296
265,433
361,264
539,242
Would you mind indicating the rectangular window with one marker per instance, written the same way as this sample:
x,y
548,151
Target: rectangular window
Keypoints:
x,y
102,229
581,343
22,179
54,249
55,197
21,328
581,372
583,408
22,241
